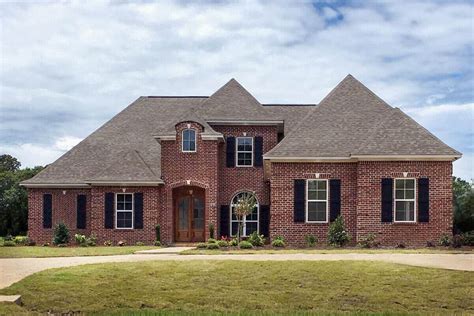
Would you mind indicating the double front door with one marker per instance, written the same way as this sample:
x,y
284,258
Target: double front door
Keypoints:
x,y
189,214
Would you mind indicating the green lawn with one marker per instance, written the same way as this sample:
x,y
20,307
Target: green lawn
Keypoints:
x,y
224,251
241,286
39,252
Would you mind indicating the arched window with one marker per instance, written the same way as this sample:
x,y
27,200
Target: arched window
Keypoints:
x,y
249,222
189,140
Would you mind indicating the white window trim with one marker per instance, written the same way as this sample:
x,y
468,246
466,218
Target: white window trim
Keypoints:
x,y
133,211
195,141
415,211
308,200
237,151
244,220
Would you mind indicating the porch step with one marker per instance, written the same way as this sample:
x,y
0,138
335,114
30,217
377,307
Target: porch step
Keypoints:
x,y
167,250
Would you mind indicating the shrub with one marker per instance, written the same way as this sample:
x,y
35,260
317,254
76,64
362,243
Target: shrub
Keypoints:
x,y
222,243
201,245
457,241
157,243
80,239
256,240
61,245
91,241
368,241
211,241
139,243
46,244
212,246
337,234
158,232
122,243
9,243
468,238
8,238
311,240
278,242
444,240
108,243
211,230
21,240
61,234
400,245
430,244
244,244
233,242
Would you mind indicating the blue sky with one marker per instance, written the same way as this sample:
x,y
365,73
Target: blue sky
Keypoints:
x,y
66,68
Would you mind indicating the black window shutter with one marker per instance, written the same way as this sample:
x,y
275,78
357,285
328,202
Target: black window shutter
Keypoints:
x,y
423,200
264,220
81,211
335,199
387,200
299,200
138,210
47,210
224,218
230,152
109,210
258,151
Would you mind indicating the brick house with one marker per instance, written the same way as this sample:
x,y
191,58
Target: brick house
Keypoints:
x,y
183,162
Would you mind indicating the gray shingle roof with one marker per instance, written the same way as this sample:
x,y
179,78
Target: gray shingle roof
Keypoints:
x,y
350,120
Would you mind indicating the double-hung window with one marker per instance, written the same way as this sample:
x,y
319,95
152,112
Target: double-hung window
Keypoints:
x,y
124,210
317,201
189,140
244,151
405,196
249,222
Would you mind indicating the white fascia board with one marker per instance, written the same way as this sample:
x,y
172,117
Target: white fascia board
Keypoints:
x,y
125,183
406,157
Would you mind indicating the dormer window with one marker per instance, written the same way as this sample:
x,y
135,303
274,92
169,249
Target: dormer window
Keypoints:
x,y
189,140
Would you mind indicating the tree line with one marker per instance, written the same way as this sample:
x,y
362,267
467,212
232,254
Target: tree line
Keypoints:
x,y
14,199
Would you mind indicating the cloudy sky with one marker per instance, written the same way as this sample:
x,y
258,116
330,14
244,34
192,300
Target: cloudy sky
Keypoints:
x,y
66,68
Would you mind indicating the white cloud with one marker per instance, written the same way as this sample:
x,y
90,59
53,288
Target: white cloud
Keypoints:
x,y
67,142
67,67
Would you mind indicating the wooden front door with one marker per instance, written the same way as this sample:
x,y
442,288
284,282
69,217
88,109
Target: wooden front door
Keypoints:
x,y
189,214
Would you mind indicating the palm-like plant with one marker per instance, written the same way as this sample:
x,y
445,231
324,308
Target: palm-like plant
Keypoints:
x,y
244,206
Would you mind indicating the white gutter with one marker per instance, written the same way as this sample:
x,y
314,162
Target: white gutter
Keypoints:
x,y
125,183
355,158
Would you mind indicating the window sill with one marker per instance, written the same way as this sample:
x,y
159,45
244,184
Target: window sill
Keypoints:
x,y
316,222
404,223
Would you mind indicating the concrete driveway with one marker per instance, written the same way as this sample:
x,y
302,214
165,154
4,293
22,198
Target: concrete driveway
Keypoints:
x,y
14,269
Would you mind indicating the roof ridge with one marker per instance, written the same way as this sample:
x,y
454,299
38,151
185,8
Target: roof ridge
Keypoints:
x,y
176,96
144,162
289,104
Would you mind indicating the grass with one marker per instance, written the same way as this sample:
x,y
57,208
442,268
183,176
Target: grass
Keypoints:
x,y
224,251
245,287
41,252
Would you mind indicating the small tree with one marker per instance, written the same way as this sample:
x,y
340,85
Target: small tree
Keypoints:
x,y
245,205
61,234
337,234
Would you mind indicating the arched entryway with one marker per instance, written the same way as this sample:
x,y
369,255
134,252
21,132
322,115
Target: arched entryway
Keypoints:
x,y
189,214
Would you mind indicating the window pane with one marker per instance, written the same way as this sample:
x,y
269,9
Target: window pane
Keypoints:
x,y
183,208
312,195
253,216
399,194
244,159
128,198
399,184
120,197
410,184
405,211
321,185
124,219
312,185
250,228
409,194
317,211
321,195
120,206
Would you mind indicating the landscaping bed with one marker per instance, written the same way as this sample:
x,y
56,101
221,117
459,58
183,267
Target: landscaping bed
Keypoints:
x,y
245,287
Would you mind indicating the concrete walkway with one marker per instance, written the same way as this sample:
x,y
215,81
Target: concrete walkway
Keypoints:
x,y
14,269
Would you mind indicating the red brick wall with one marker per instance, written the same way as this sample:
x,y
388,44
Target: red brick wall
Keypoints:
x,y
361,200
282,198
151,202
64,210
236,179
200,168
369,176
